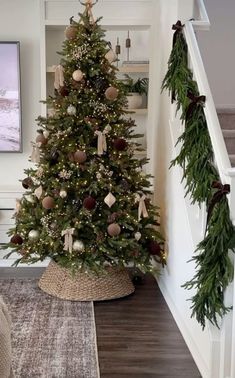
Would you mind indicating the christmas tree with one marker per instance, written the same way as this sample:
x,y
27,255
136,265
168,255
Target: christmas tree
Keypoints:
x,y
87,202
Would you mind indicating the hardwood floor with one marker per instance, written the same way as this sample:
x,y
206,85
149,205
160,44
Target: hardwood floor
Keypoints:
x,y
137,337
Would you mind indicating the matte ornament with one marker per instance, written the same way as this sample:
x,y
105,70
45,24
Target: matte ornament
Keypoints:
x,y
64,91
27,183
111,56
77,75
111,93
110,200
33,235
63,193
138,236
78,246
48,203
120,144
70,32
89,203
154,248
80,156
114,229
16,239
41,139
71,110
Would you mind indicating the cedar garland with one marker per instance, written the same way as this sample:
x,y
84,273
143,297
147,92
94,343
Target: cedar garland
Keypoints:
x,y
214,269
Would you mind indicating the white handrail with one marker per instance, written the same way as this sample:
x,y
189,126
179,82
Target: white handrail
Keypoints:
x,y
203,23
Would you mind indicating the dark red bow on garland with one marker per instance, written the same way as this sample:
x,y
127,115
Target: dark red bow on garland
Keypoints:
x,y
222,191
195,100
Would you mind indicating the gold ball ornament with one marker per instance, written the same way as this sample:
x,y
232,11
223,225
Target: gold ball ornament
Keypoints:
x,y
111,93
48,203
111,56
33,235
80,156
114,229
41,139
77,75
70,32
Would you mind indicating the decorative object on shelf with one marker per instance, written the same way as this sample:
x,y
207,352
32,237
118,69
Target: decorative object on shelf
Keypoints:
x,y
84,254
135,90
128,45
118,50
214,269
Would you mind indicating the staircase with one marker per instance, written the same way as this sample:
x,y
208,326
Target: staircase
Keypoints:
x,y
227,122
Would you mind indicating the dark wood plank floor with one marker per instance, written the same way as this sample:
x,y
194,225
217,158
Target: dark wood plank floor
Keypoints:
x,y
137,337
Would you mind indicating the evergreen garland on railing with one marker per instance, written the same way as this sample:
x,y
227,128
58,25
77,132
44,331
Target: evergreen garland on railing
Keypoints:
x,y
214,270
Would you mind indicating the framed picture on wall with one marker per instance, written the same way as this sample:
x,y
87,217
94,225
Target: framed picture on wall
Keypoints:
x,y
10,100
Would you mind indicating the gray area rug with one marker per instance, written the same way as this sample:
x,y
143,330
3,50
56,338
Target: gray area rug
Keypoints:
x,y
51,338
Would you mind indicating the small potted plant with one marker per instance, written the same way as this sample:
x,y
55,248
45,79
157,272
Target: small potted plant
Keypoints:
x,y
135,90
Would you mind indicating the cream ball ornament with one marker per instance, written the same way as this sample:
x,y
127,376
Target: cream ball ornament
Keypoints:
x,y
77,75
71,110
63,193
33,235
78,246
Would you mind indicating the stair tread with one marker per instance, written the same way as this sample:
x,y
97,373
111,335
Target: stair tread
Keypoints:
x,y
228,133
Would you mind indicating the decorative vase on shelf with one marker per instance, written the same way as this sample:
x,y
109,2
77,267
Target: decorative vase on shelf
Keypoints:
x,y
134,101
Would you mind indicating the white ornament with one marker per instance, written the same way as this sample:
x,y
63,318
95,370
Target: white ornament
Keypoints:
x,y
38,192
98,176
18,205
77,75
137,236
29,198
78,246
63,193
33,234
110,200
111,56
46,134
71,110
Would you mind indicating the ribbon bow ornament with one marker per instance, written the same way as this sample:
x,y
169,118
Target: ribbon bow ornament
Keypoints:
x,y
35,156
89,4
59,76
222,191
68,239
195,101
142,210
101,142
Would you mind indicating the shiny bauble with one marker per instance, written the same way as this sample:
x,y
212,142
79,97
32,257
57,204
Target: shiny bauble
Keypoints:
x,y
16,239
138,236
29,198
78,246
79,156
70,32
48,203
63,193
41,139
154,248
111,93
71,110
46,134
27,183
111,56
114,229
120,144
89,203
77,75
33,235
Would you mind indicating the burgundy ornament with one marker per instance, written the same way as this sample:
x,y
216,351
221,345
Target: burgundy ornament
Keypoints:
x,y
16,239
64,91
89,203
120,144
154,248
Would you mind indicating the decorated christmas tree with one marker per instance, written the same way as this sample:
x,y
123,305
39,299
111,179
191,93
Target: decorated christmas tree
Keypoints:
x,y
87,201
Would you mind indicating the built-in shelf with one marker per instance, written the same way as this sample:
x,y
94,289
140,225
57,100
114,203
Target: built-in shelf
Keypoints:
x,y
132,68
139,111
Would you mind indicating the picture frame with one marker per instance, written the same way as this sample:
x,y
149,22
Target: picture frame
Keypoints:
x,y
10,97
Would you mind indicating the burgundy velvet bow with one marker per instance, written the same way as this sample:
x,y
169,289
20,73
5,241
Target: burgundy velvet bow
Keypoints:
x,y
195,100
222,191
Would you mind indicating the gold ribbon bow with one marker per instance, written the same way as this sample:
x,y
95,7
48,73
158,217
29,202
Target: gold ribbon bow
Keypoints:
x,y
59,76
142,210
68,239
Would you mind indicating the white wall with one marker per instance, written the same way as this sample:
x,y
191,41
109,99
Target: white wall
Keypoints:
x,y
218,51
19,21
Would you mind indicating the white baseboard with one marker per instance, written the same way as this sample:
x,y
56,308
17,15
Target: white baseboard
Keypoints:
x,y
184,331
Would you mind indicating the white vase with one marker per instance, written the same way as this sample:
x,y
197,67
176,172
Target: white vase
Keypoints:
x,y
134,100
